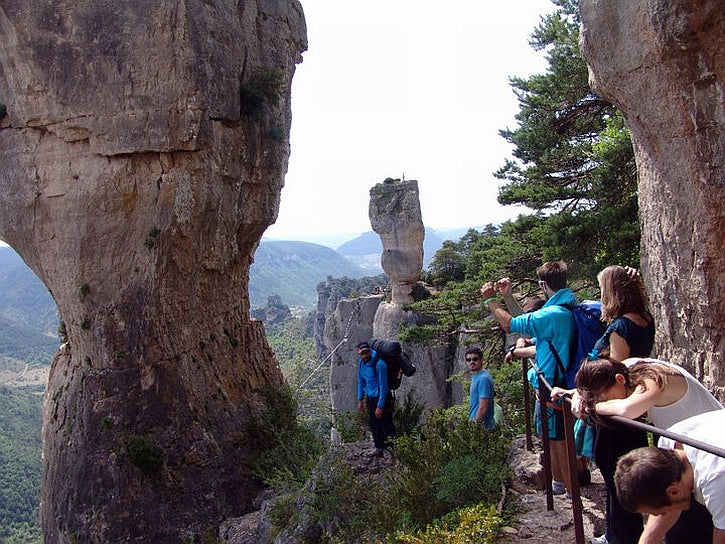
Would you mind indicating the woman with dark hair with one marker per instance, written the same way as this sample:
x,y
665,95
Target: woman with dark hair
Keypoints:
x,y
630,328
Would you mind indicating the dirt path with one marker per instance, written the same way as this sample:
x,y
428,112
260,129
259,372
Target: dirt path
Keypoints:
x,y
537,525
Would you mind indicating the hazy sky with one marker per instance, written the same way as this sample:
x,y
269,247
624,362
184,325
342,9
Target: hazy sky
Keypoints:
x,y
413,88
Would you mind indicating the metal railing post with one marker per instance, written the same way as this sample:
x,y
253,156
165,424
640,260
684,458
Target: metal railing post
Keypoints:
x,y
527,404
543,395
576,501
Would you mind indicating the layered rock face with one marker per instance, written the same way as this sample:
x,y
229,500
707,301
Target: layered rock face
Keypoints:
x,y
662,62
143,153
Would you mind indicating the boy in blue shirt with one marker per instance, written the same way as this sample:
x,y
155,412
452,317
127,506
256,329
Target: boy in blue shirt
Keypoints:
x,y
372,385
552,327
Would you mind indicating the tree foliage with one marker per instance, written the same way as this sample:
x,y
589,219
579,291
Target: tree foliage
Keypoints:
x,y
574,162
573,166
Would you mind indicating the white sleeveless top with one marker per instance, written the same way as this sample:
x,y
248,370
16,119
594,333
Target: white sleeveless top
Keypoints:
x,y
696,400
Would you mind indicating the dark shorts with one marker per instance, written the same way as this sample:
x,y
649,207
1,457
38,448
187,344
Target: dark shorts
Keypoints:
x,y
555,420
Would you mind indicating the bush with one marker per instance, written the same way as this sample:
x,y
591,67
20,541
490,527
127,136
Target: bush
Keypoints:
x,y
452,464
144,455
479,523
263,87
287,450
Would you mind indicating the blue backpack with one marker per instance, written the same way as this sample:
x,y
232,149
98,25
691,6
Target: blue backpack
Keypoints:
x,y
589,329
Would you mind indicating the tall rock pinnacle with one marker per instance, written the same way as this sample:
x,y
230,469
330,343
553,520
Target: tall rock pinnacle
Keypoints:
x,y
395,216
144,147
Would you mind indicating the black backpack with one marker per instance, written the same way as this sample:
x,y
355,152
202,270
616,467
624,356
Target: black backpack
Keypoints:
x,y
396,360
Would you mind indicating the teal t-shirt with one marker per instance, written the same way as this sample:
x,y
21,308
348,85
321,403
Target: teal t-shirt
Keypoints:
x,y
482,388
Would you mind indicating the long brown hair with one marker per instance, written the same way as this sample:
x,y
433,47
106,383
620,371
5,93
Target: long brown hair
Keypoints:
x,y
621,293
595,376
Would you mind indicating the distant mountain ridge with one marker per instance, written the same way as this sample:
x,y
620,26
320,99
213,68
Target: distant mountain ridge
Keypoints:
x,y
293,269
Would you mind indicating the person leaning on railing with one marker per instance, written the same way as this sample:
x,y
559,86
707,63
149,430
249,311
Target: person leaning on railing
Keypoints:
x,y
676,479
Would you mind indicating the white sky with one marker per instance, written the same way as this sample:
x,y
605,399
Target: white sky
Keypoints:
x,y
404,87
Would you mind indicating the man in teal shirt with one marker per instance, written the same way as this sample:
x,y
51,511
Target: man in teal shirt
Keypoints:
x,y
551,327
480,407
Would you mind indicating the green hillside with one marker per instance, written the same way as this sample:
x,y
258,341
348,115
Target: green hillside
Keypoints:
x,y
28,315
292,270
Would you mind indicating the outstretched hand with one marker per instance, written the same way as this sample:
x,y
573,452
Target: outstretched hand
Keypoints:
x,y
488,290
504,286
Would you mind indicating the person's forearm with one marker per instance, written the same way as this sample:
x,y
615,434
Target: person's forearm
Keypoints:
x,y
512,304
499,314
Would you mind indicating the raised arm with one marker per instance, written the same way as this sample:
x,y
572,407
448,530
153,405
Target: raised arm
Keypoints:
x,y
504,287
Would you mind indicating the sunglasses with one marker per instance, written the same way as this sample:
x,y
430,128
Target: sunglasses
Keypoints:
x,y
471,359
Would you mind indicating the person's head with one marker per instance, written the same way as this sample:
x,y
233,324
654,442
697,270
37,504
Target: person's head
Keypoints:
x,y
474,359
603,379
621,293
650,481
552,276
364,351
599,380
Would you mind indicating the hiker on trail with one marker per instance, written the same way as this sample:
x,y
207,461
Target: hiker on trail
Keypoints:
x,y
481,406
553,328
676,481
629,333
372,387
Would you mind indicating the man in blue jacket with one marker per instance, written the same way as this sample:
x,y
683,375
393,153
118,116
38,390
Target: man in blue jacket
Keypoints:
x,y
552,326
372,385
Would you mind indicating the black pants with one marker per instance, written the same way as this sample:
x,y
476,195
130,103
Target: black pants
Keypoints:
x,y
383,427
623,527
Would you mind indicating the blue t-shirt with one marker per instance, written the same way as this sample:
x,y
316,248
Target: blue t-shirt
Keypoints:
x,y
372,379
639,339
481,388
554,322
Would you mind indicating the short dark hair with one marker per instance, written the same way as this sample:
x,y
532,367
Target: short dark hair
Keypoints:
x,y
643,476
474,351
554,273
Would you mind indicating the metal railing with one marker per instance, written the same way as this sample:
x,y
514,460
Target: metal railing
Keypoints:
x,y
544,395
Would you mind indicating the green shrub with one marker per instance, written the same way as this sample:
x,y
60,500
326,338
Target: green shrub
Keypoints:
x,y
263,87
453,463
479,523
288,450
407,414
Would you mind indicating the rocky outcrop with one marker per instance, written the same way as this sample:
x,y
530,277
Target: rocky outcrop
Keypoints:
x,y
663,64
395,216
144,149
274,312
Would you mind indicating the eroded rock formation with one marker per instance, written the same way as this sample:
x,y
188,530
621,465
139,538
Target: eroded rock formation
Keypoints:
x,y
662,62
395,216
144,147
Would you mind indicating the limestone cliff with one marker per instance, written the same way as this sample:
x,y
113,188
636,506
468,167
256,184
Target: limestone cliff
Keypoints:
x,y
662,62
144,147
